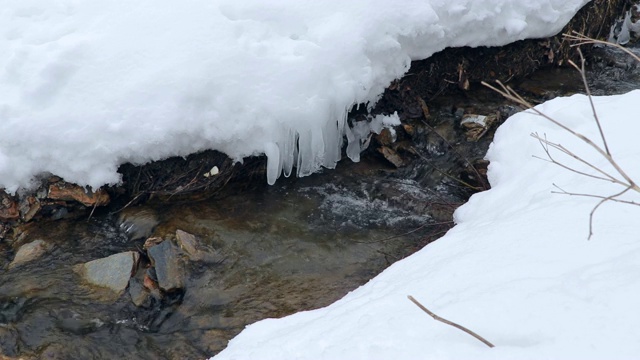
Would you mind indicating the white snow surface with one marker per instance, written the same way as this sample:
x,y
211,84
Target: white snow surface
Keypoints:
x,y
517,268
88,85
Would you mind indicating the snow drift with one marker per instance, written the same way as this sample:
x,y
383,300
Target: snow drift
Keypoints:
x,y
87,86
517,268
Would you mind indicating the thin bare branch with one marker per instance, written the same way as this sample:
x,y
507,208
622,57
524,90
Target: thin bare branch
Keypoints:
x,y
564,192
438,318
579,39
593,211
92,211
603,199
623,179
566,151
448,223
510,94
425,111
583,75
459,181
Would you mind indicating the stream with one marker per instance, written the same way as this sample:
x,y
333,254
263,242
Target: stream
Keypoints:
x,y
268,251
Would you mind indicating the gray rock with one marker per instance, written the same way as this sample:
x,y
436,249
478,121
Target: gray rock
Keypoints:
x,y
140,296
138,223
29,252
112,272
189,244
165,258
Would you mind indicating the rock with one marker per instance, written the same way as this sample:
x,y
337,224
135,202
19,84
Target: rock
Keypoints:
x,y
29,252
138,222
165,258
386,137
149,281
391,156
475,126
112,272
70,192
140,296
409,129
8,207
152,241
29,207
188,243
9,340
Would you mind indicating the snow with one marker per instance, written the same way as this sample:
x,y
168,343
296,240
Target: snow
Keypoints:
x,y
517,268
86,86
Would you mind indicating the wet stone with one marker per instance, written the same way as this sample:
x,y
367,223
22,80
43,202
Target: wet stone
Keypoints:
x,y
386,137
169,268
391,156
187,242
476,126
140,296
9,338
29,207
8,207
29,252
152,241
137,222
112,272
71,192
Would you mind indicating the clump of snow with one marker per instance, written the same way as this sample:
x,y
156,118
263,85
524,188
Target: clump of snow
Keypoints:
x,y
517,268
86,86
622,30
359,134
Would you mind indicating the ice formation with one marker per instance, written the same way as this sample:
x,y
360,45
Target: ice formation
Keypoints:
x,y
86,86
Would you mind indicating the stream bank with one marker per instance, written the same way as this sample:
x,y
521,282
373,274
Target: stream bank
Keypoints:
x,y
266,251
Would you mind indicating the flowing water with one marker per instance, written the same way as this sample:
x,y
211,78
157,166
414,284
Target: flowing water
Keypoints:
x,y
297,245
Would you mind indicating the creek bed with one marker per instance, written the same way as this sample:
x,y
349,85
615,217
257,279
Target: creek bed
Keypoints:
x,y
297,245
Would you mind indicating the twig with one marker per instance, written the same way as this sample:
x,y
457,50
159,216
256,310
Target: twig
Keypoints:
x,y
583,75
564,192
459,181
593,211
621,178
546,144
449,223
425,112
438,318
579,39
127,204
603,199
510,94
92,210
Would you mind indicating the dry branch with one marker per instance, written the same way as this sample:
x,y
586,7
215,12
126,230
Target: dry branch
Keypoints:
x,y
620,177
579,39
457,326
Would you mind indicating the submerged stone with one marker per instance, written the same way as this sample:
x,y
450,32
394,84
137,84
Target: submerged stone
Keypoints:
x,y
189,244
29,252
112,272
165,258
140,296
138,222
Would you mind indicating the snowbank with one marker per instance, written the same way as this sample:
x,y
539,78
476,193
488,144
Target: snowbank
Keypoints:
x,y
517,268
86,86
